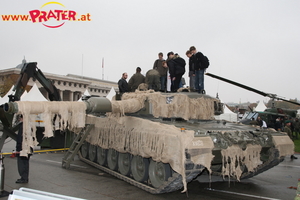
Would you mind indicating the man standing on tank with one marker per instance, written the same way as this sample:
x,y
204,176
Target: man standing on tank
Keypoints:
x,y
152,80
176,66
191,70
136,80
162,70
123,85
199,70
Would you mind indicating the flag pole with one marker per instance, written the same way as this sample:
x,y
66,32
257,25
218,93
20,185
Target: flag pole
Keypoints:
x,y
102,68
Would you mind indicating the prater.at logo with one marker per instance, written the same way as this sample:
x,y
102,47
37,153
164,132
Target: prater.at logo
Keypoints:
x,y
52,17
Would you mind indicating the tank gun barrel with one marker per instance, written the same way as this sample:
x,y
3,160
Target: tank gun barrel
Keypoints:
x,y
237,84
272,96
98,105
93,105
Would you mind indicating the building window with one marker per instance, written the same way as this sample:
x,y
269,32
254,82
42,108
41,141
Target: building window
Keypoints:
x,y
58,82
65,83
75,84
84,86
79,85
70,84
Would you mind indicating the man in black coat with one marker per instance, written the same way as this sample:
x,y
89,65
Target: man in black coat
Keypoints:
x,y
123,85
199,69
23,161
176,66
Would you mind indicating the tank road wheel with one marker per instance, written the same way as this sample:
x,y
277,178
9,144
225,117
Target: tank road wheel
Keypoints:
x,y
84,149
159,173
139,168
124,163
92,152
101,156
112,159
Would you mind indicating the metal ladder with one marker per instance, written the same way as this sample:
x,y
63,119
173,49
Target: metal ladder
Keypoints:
x,y
77,143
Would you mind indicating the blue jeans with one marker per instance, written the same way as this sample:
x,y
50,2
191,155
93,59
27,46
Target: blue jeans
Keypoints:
x,y
163,80
199,80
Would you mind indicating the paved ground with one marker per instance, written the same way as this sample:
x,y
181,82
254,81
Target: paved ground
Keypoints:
x,y
83,181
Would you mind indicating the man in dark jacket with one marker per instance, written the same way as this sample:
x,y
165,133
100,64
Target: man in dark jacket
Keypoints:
x,y
199,70
136,80
23,161
176,66
123,85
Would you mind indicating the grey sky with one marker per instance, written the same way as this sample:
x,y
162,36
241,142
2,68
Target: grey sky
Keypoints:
x,y
253,42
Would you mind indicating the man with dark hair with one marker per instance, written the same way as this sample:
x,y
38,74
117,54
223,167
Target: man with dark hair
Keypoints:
x,y
161,70
176,66
199,69
123,85
136,80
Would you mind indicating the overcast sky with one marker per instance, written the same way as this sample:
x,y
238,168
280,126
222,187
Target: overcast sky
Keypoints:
x,y
253,42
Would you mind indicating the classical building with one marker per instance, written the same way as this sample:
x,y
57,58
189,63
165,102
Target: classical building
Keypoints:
x,y
71,87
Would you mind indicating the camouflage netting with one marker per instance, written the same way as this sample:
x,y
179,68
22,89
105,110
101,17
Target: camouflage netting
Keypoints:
x,y
163,143
234,156
179,105
70,113
284,144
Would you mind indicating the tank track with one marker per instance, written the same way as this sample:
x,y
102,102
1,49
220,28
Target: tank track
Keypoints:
x,y
174,183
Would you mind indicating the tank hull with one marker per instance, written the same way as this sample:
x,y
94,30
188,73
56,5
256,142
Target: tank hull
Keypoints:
x,y
191,148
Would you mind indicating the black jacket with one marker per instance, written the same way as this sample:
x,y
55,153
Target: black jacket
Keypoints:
x,y
176,66
123,86
19,138
196,60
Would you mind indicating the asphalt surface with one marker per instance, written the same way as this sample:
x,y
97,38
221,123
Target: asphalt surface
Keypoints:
x,y
84,181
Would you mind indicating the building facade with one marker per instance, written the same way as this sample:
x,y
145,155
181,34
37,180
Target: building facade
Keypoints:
x,y
71,87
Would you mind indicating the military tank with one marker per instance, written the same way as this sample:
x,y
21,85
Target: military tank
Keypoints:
x,y
160,141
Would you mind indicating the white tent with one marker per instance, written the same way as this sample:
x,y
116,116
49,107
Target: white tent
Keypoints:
x,y
34,95
260,106
111,94
298,113
228,115
5,99
86,93
24,94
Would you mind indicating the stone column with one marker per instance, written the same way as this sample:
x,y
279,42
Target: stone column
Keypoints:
x,y
71,96
61,93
